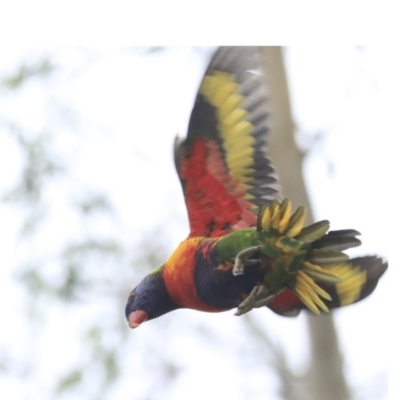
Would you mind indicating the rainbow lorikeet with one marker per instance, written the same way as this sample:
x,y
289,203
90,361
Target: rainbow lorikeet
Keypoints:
x,y
245,248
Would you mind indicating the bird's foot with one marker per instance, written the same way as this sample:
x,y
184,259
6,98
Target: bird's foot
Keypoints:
x,y
244,259
260,296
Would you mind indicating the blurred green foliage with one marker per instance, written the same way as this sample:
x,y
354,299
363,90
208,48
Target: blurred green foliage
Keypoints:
x,y
41,68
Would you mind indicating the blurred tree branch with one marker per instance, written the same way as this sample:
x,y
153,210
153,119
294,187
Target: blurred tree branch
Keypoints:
x,y
326,377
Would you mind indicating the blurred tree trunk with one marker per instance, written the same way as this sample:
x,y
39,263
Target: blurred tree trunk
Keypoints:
x,y
325,378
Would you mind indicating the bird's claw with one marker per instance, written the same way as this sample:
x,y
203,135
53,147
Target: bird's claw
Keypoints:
x,y
260,296
243,260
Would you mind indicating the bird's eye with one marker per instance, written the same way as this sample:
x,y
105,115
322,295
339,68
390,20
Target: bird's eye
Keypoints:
x,y
131,297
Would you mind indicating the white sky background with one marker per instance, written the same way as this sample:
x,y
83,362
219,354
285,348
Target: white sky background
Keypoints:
x,y
130,108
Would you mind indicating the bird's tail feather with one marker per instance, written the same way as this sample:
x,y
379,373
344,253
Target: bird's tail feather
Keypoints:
x,y
326,278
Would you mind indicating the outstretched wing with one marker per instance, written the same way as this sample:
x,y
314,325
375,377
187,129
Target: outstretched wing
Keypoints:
x,y
222,164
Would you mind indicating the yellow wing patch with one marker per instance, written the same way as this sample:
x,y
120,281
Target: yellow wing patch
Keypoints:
x,y
221,90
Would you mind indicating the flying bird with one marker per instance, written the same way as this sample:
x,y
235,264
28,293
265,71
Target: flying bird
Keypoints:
x,y
246,247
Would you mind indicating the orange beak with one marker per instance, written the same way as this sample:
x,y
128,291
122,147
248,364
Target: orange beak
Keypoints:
x,y
136,318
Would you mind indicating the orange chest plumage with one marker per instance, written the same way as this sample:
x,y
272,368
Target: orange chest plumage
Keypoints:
x,y
179,276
